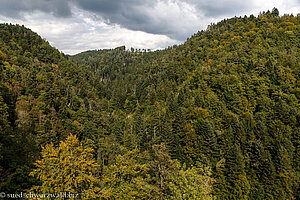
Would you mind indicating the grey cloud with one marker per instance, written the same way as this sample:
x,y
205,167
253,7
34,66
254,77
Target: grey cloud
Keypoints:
x,y
216,8
110,7
15,8
135,15
142,15
131,14
127,13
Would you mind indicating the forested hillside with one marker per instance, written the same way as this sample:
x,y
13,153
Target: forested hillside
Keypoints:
x,y
216,117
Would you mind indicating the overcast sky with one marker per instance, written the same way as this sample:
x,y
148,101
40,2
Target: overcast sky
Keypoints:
x,y
74,26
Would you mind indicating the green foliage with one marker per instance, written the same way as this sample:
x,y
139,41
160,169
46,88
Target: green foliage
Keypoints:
x,y
193,184
128,178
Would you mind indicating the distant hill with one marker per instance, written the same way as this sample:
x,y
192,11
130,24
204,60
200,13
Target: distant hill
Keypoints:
x,y
227,98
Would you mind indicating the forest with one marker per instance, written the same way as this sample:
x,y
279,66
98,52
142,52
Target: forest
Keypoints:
x,y
216,117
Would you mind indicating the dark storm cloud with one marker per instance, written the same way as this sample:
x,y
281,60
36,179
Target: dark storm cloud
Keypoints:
x,y
216,8
140,15
109,6
131,14
15,8
127,13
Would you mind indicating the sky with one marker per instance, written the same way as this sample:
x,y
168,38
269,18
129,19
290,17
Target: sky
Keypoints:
x,y
73,26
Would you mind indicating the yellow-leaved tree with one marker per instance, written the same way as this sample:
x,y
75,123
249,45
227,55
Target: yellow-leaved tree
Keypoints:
x,y
191,184
66,170
129,178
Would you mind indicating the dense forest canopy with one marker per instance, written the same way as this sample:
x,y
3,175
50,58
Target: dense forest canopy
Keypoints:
x,y
215,117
